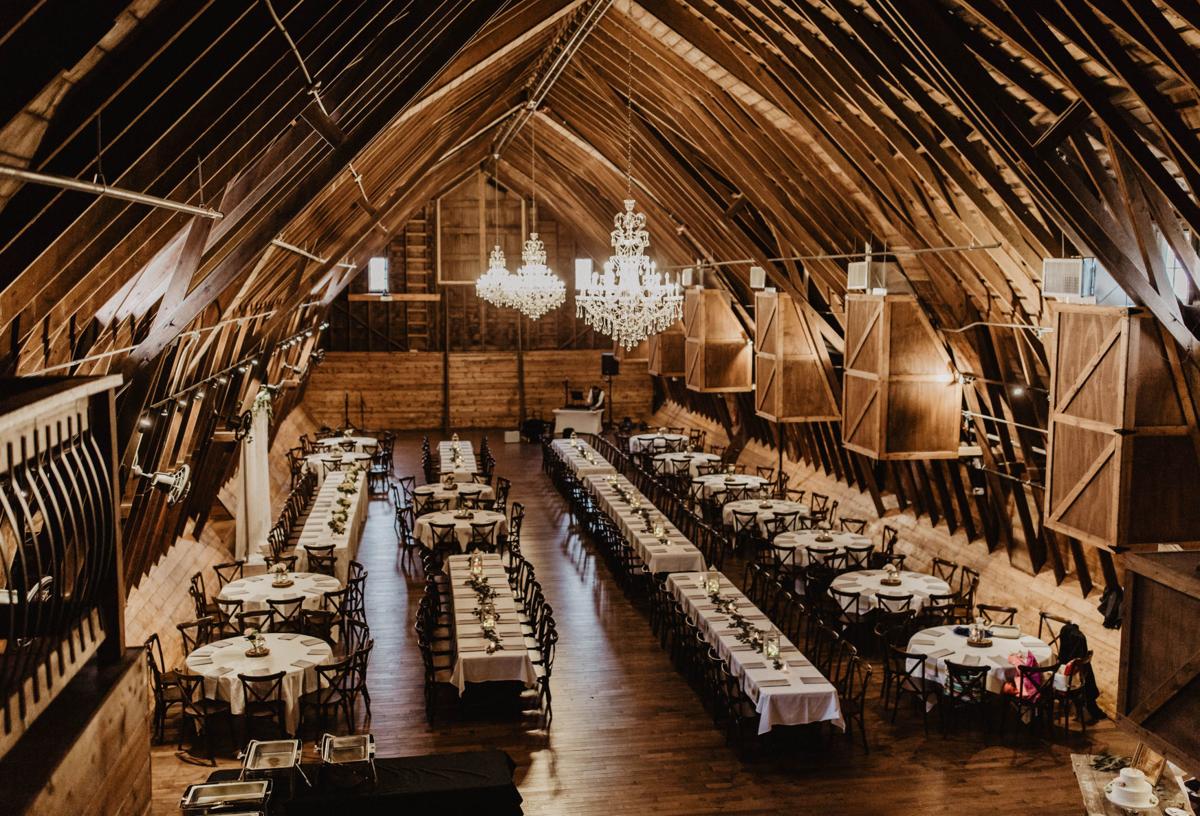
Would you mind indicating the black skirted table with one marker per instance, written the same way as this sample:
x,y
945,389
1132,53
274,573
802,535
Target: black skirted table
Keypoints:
x,y
471,782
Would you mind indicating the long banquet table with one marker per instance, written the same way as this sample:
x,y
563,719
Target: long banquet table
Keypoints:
x,y
581,458
473,663
797,694
676,554
317,533
465,467
462,526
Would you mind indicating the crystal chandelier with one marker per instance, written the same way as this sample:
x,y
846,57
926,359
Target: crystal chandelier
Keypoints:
x,y
630,301
533,289
492,283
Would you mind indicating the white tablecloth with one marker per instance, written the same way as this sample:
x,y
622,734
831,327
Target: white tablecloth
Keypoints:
x,y
717,483
940,644
316,532
296,655
462,468
460,489
360,442
765,514
676,554
644,442
581,420
795,695
694,461
581,458
801,540
254,591
316,462
472,663
867,584
462,527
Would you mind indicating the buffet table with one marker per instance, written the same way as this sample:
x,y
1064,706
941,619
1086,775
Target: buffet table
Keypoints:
x,y
459,784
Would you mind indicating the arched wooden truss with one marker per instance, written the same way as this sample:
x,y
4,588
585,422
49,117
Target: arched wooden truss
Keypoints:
x,y
763,130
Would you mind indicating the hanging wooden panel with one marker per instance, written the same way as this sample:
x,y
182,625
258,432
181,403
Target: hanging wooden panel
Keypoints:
x,y
792,382
1122,432
1158,690
901,399
666,352
719,356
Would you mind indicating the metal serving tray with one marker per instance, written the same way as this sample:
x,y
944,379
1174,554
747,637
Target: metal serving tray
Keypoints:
x,y
226,797
271,755
347,750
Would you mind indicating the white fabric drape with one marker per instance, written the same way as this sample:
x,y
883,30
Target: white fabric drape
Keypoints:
x,y
254,487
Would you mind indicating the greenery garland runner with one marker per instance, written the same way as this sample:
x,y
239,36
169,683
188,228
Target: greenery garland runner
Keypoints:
x,y
747,633
484,594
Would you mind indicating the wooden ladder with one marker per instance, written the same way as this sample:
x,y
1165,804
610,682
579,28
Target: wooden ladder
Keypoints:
x,y
418,279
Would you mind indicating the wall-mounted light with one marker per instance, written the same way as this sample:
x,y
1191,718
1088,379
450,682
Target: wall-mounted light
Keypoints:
x,y
145,423
1017,390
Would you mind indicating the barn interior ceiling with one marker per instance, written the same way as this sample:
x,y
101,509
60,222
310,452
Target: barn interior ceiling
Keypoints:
x,y
301,135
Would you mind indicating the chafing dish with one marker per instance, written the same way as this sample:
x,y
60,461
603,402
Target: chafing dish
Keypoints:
x,y
228,798
268,758
349,752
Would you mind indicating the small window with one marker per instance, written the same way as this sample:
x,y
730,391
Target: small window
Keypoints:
x,y
377,275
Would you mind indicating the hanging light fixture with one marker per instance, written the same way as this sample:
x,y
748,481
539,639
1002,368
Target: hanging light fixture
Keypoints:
x,y
492,283
534,289
630,300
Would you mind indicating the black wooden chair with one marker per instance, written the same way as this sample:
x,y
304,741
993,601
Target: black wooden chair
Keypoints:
x,y
263,701
200,713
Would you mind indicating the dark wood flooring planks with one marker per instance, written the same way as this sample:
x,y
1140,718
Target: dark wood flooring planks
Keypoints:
x,y
631,737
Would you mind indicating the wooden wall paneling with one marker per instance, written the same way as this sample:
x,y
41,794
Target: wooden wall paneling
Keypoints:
x,y
1158,694
791,384
718,352
1121,433
936,468
667,357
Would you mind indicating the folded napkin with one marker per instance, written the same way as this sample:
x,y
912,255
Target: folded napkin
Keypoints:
x,y
479,646
811,679
288,636
920,642
207,661
756,664
235,593
799,663
754,617
940,653
224,670
970,660
775,681
311,641
221,644
316,651
302,664
741,647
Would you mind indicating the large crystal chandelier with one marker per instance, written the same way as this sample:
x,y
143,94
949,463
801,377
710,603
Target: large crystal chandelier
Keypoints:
x,y
533,289
630,301
491,284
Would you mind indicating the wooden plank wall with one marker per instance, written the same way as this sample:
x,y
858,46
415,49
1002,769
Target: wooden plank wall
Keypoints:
x,y
405,389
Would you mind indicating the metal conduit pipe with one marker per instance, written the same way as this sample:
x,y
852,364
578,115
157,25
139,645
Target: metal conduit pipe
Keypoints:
x,y
104,191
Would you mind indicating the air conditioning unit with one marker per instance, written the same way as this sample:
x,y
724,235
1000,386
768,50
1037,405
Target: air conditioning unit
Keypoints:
x,y
1069,277
872,275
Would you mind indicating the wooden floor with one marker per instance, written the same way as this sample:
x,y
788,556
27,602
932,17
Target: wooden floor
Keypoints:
x,y
630,736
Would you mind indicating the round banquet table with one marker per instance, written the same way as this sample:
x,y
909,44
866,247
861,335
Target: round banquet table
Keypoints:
x,y
255,591
297,656
694,460
801,540
437,491
940,644
867,583
716,483
360,442
765,514
462,526
643,442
